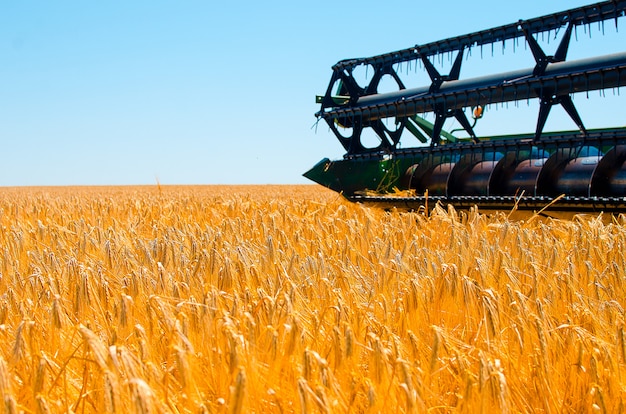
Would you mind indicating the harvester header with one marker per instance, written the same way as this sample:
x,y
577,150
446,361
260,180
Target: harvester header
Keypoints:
x,y
579,170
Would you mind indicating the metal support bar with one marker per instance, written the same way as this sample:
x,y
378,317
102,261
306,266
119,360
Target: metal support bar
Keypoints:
x,y
579,16
559,79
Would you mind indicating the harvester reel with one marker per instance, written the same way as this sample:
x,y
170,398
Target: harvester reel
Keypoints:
x,y
582,170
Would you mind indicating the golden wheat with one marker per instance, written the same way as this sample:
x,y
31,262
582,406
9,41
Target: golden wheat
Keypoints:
x,y
289,299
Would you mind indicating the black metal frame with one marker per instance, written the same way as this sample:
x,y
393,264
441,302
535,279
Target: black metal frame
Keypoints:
x,y
552,80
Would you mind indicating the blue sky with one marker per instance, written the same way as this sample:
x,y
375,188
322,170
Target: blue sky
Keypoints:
x,y
199,92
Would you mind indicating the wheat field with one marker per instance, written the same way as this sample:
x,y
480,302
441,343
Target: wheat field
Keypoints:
x,y
257,299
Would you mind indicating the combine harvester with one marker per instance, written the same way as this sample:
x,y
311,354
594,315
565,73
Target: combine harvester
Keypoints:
x,y
576,171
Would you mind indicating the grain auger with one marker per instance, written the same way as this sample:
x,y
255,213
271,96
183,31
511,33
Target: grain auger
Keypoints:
x,y
412,162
